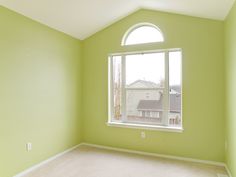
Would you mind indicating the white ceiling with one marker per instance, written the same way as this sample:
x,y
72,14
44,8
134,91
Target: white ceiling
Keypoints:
x,y
82,18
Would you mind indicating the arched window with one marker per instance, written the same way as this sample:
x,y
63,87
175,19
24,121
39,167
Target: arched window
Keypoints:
x,y
145,87
141,34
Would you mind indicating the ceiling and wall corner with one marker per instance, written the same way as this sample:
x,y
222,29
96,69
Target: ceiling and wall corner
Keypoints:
x,y
56,12
83,18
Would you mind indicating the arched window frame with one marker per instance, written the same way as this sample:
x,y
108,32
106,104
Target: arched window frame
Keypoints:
x,y
136,26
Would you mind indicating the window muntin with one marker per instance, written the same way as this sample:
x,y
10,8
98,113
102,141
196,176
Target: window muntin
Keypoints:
x,y
146,89
142,33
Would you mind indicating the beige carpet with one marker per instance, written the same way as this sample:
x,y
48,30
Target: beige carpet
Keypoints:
x,y
87,161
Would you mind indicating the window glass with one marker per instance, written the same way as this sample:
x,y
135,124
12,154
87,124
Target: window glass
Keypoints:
x,y
143,34
146,89
117,92
175,89
145,77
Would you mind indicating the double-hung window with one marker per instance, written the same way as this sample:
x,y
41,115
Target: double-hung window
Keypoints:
x,y
145,89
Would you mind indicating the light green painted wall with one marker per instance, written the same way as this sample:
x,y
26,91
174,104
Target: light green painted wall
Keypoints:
x,y
40,89
203,87
47,78
230,58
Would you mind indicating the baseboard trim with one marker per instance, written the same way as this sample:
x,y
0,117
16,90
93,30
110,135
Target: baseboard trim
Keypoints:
x,y
221,164
228,171
34,167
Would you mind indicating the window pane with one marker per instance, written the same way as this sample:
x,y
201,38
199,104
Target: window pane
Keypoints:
x,y
175,88
145,74
144,34
146,67
117,82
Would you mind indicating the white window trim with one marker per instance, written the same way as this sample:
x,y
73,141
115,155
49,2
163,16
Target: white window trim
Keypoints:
x,y
110,93
145,127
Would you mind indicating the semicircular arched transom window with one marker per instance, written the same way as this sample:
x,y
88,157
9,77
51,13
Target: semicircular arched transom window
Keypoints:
x,y
141,34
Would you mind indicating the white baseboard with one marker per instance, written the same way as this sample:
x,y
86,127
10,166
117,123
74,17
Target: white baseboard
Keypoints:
x,y
44,162
228,171
222,175
221,164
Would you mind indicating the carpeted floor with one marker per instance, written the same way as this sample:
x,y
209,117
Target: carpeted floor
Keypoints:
x,y
88,161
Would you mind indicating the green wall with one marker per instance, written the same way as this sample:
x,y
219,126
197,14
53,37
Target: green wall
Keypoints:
x,y
40,92
203,87
53,89
230,58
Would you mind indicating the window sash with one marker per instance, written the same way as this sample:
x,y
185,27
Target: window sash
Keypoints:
x,y
166,100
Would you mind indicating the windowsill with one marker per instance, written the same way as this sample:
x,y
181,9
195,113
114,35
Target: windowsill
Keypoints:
x,y
147,127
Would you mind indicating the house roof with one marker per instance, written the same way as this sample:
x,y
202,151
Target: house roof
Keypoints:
x,y
143,84
154,105
157,105
175,102
175,88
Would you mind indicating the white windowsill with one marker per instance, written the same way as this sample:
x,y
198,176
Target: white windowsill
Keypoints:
x,y
147,127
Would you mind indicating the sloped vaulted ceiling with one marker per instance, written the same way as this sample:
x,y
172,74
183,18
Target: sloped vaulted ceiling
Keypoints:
x,y
82,18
